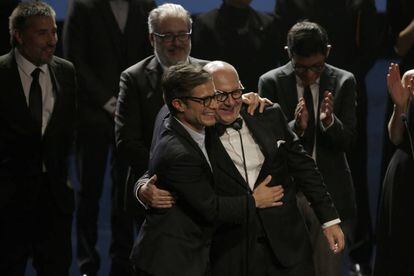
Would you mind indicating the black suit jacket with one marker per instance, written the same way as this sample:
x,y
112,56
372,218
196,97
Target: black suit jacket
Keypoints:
x,y
176,241
21,151
279,85
282,226
140,98
94,43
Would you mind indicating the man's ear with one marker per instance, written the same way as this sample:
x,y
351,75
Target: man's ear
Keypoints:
x,y
18,37
288,51
151,39
328,50
179,105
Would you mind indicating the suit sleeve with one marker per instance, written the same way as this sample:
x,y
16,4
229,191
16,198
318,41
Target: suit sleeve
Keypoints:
x,y
75,46
341,135
306,174
183,175
267,87
128,124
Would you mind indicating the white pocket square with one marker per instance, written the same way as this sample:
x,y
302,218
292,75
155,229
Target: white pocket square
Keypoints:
x,y
280,142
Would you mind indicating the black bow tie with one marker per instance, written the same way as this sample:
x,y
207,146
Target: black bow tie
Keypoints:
x,y
236,125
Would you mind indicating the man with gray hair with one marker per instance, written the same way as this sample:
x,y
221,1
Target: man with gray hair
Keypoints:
x,y
37,111
140,97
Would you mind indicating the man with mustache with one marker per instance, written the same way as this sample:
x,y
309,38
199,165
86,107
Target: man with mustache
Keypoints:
x,y
37,114
140,95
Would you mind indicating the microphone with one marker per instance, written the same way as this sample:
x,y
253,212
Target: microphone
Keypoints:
x,y
405,121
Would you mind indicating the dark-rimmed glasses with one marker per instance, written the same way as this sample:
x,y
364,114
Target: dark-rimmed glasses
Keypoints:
x,y
169,37
235,94
206,101
300,69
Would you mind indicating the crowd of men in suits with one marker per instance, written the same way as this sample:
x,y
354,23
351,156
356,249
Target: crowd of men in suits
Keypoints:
x,y
229,190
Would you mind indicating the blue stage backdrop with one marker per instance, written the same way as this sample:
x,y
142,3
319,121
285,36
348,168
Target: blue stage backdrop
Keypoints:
x,y
194,6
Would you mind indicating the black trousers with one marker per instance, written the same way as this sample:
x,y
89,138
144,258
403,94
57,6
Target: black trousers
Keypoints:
x,y
264,263
32,225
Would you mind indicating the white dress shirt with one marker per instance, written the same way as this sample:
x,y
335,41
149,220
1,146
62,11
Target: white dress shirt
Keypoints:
x,y
315,98
26,68
254,156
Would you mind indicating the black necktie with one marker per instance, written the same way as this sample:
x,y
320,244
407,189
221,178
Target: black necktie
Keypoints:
x,y
310,130
237,125
35,100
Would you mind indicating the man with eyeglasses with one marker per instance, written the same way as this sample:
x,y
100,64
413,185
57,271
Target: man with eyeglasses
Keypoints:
x,y
176,241
319,102
140,95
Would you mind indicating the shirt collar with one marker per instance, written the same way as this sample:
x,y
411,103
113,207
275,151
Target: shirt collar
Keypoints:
x,y
198,137
299,81
26,66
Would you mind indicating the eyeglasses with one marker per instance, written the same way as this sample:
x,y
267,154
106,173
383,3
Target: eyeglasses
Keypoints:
x,y
300,69
235,94
206,101
168,37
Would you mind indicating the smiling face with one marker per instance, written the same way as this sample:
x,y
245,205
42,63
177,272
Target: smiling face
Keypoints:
x,y
37,40
193,113
226,80
175,51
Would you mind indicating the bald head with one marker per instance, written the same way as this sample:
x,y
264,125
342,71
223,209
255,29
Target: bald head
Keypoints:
x,y
226,80
224,75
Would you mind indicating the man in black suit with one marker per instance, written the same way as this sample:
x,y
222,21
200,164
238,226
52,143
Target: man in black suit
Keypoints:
x,y
240,35
102,38
353,30
140,95
319,102
37,114
275,241
176,241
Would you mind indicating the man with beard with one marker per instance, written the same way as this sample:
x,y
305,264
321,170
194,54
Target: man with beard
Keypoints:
x,y
140,97
37,115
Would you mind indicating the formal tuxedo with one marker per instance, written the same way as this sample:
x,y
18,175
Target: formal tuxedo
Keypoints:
x,y
101,49
281,228
139,101
243,37
33,169
279,85
176,241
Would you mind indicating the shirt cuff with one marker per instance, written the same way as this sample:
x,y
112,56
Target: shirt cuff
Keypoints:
x,y
139,186
326,128
330,223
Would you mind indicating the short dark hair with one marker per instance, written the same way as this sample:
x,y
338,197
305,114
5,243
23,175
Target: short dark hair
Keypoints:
x,y
24,10
179,80
306,39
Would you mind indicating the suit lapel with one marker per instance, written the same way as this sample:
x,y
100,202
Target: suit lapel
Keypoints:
x,y
173,124
223,160
54,76
289,93
15,95
153,73
260,133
